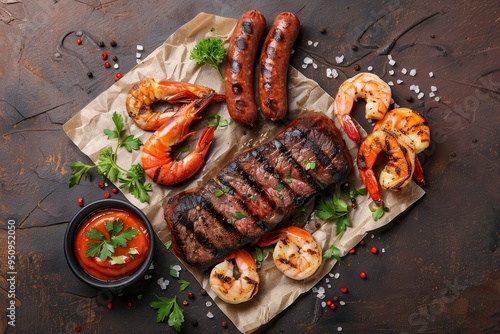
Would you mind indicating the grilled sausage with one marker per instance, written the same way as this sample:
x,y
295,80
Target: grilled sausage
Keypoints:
x,y
238,75
253,192
276,51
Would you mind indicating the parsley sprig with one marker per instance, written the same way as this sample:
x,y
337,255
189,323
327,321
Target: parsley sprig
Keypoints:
x,y
133,178
168,307
106,247
209,51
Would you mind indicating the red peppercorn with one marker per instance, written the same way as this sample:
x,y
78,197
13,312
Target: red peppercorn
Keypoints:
x,y
107,65
79,41
353,205
104,55
107,194
118,76
190,295
343,289
352,251
332,306
78,328
80,201
115,191
129,304
362,275
101,184
328,303
374,250
109,306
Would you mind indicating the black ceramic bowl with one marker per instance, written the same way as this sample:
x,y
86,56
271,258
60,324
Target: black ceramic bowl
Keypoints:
x,y
119,284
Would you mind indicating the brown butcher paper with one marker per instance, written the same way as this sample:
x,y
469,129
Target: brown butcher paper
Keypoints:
x,y
171,61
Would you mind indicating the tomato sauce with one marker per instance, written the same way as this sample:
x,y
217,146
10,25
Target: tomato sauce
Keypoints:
x,y
108,269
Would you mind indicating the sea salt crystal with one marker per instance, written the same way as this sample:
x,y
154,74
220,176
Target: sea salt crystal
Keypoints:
x,y
420,96
323,304
396,106
315,44
389,57
335,74
392,62
390,83
210,315
383,250
417,89
208,303
339,59
337,275
413,72
163,283
399,81
304,65
329,73
431,74
370,68
138,61
373,236
116,66
327,280
342,302
315,65
308,60
330,274
140,47
138,55
329,286
151,266
309,42
404,71
147,277
433,89
391,72
436,98
339,329
412,87
431,94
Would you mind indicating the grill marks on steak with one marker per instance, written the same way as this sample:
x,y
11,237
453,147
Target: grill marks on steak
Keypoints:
x,y
253,192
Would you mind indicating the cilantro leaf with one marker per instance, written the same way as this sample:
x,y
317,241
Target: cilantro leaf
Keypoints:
x,y
168,307
79,169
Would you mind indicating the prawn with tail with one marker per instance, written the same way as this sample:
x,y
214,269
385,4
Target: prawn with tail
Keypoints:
x,y
156,153
234,290
369,87
296,254
143,94
413,125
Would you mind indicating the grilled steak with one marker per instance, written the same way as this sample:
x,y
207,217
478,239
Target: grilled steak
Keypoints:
x,y
253,192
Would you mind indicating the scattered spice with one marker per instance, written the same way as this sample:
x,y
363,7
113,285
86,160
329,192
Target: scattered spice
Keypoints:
x,y
344,289
109,306
80,201
354,47
433,36
107,194
352,251
474,140
185,302
113,43
362,242
78,328
224,324
101,44
101,185
115,191
79,41
190,295
357,67
194,323
203,292
90,74
362,275
374,250
453,154
115,58
107,65
322,30
409,98
104,55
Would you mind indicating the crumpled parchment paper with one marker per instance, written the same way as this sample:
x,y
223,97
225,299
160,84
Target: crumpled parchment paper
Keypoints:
x,y
171,61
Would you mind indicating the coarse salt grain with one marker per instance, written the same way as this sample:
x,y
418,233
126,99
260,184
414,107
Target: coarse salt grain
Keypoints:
x,y
370,68
412,87
335,74
315,65
413,72
389,57
404,71
420,95
391,72
337,275
323,304
399,81
433,89
392,62
147,277
138,55
383,250
304,65
116,66
330,274
342,302
315,44
208,303
210,315
309,42
390,83
431,74
308,60
339,59
436,99
431,94
396,106
138,61
140,47
339,329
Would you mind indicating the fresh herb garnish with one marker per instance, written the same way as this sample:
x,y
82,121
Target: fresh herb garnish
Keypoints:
x,y
310,164
168,307
168,244
259,256
209,51
183,284
133,178
334,252
335,209
239,215
378,212
214,121
106,247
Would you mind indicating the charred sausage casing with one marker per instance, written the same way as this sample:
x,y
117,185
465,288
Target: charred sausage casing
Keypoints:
x,y
254,191
238,75
273,69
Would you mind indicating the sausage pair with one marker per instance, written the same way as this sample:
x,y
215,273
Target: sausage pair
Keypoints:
x,y
273,66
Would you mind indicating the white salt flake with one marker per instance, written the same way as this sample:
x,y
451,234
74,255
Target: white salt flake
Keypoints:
x,y
342,302
399,81
337,275
315,44
417,89
115,66
339,59
431,74
151,266
339,329
138,55
309,42
315,65
421,95
329,286
138,61
308,60
210,315
383,250
335,74
412,87
404,71
396,106
437,99
323,304
413,72
373,236
389,57
304,65
147,277
140,47
391,72
208,303
370,68
329,73
431,94
390,83
392,62
330,274
293,51
434,89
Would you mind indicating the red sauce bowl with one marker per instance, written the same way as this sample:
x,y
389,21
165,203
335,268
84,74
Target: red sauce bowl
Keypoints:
x,y
93,215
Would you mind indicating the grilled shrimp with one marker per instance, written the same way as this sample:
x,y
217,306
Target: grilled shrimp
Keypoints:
x,y
156,159
296,254
372,89
414,125
235,290
148,91
399,169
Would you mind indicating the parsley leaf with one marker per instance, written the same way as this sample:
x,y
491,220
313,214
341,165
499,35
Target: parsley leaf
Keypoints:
x,y
79,169
378,212
168,307
310,164
183,284
135,181
106,247
334,252
209,51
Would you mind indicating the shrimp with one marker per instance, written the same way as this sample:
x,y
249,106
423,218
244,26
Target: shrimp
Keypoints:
x,y
399,169
156,159
296,254
235,290
372,89
148,91
413,125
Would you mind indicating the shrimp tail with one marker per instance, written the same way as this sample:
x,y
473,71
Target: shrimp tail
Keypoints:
x,y
370,181
418,174
350,129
